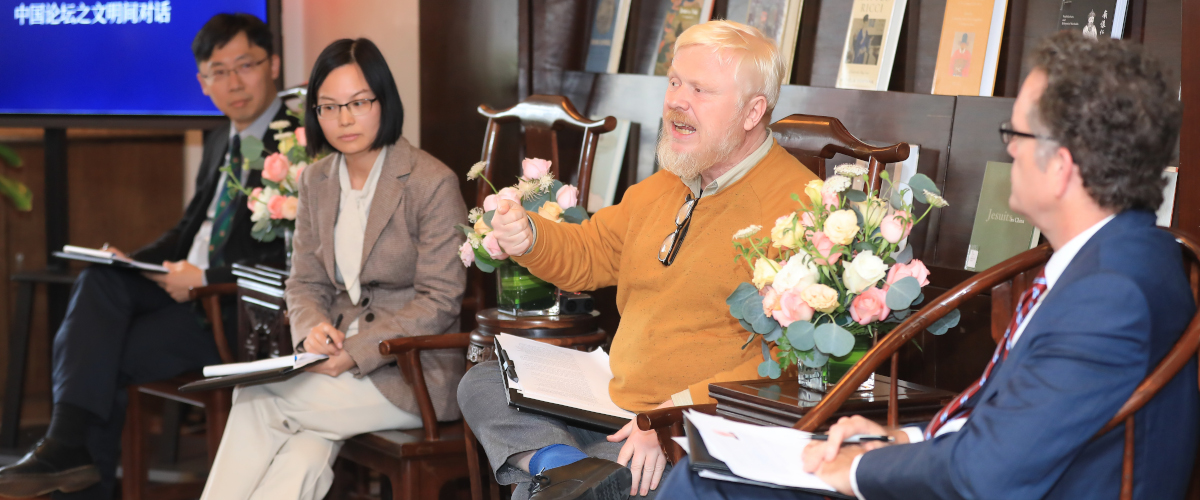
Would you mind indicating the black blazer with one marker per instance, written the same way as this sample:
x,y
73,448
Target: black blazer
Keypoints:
x,y
240,247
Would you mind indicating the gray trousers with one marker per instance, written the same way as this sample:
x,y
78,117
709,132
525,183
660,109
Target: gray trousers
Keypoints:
x,y
503,431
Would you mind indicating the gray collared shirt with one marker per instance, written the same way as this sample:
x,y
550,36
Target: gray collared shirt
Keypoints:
x,y
734,174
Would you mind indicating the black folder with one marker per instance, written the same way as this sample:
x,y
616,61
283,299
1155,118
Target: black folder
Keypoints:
x,y
599,422
258,377
702,460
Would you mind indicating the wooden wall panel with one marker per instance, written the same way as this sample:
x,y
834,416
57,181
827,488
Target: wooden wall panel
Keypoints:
x,y
833,21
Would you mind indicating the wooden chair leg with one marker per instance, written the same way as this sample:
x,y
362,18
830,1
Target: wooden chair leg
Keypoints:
x,y
478,480
216,414
133,455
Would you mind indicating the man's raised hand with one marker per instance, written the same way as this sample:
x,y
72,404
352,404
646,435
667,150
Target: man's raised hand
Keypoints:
x,y
511,227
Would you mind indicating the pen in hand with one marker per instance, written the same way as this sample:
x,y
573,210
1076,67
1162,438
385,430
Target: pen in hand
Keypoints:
x,y
337,323
856,439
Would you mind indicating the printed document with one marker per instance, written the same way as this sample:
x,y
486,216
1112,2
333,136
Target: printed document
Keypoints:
x,y
295,361
767,454
561,376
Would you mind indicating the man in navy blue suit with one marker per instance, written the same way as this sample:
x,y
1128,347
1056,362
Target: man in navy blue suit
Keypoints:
x,y
1092,128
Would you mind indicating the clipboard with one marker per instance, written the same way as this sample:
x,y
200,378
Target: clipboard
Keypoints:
x,y
263,376
113,261
701,460
580,418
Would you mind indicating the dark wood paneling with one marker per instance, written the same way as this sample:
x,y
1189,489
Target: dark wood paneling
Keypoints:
x,y
929,36
1187,204
559,41
833,21
1163,32
1041,20
637,98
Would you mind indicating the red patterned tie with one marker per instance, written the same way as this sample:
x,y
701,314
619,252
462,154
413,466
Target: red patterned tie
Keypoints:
x,y
955,408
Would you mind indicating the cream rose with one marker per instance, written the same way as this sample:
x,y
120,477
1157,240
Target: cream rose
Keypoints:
x,y
482,228
799,273
820,297
841,227
551,211
764,273
863,272
813,190
785,234
872,210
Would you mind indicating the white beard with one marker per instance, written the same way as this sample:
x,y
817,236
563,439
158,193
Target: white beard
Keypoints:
x,y
691,165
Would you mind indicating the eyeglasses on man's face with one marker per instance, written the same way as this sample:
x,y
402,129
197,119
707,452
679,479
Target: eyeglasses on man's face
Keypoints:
x,y
672,243
242,69
1007,133
357,107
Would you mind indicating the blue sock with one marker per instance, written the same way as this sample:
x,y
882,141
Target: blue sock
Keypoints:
x,y
553,456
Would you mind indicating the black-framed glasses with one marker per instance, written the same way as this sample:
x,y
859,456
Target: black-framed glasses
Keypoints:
x,y
357,107
243,69
1007,133
683,220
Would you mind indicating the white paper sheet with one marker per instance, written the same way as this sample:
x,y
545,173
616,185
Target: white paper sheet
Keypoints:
x,y
562,376
767,454
296,361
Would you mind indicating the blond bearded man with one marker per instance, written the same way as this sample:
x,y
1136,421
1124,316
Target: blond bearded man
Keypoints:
x,y
667,248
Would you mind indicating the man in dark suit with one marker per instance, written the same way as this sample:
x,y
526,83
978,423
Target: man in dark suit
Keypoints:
x,y
125,328
1091,131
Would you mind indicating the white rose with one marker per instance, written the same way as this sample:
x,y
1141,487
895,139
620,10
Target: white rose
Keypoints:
x,y
863,272
841,227
764,273
799,273
873,210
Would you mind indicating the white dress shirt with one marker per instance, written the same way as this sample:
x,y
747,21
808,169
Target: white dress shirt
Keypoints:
x,y
198,254
1054,269
354,208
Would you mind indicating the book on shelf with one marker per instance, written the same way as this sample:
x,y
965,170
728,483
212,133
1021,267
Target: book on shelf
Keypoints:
x,y
969,50
107,258
778,20
681,15
1094,18
998,232
870,47
606,167
607,38
1167,209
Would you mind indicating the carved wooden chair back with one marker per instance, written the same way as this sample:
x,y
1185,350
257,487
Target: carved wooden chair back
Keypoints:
x,y
813,139
1008,280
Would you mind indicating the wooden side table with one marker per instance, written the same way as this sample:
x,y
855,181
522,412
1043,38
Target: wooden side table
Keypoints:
x,y
783,402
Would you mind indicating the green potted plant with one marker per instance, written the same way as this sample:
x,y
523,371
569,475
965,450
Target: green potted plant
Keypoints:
x,y
16,192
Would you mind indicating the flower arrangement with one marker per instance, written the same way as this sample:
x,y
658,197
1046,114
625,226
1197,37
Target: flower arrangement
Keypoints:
x,y
835,269
536,190
273,206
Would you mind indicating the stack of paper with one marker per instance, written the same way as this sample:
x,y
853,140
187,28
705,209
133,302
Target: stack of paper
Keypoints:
x,y
561,376
766,454
295,361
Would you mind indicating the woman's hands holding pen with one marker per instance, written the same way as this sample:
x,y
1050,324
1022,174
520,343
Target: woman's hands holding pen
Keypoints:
x,y
326,339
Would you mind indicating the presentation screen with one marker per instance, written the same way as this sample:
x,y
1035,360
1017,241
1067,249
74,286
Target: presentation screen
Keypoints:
x,y
106,58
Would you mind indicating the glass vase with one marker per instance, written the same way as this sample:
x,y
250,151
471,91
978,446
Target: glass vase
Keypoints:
x,y
812,383
288,234
520,293
837,368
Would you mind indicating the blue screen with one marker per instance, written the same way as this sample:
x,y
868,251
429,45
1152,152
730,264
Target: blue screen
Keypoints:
x,y
106,58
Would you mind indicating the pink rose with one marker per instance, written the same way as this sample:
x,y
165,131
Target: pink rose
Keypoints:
x,y
914,268
770,300
826,256
301,138
895,226
792,308
253,199
533,168
491,202
275,206
466,254
298,171
275,167
829,199
493,247
568,196
807,219
510,194
290,205
870,306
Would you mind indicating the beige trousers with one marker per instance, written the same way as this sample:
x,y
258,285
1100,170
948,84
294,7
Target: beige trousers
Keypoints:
x,y
282,438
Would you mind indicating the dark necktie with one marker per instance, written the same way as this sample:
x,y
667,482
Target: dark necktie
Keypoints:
x,y
225,206
955,409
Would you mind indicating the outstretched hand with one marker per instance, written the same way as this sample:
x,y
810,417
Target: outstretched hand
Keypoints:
x,y
642,454
511,227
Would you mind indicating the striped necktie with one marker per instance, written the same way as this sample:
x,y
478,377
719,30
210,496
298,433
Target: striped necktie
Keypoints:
x,y
225,207
955,408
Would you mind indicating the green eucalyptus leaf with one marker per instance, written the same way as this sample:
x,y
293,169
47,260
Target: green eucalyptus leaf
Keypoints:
x,y
950,320
769,369
904,256
255,164
800,335
740,294
864,246
751,309
484,266
575,215
766,351
855,195
252,148
902,293
920,298
749,339
921,183
774,334
813,358
536,202
901,314
897,200
749,328
763,324
833,340
487,217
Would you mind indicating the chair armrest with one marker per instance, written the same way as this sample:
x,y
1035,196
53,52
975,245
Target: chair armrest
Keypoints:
x,y
200,292
663,418
407,351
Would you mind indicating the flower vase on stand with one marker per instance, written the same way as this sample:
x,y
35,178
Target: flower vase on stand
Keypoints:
x,y
520,293
838,367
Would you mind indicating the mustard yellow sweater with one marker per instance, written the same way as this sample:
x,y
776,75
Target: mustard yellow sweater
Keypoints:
x,y
676,332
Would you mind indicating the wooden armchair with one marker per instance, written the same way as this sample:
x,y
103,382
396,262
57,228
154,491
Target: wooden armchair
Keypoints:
x,y
812,140
134,459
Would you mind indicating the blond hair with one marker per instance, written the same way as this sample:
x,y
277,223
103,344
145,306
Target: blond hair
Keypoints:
x,y
745,46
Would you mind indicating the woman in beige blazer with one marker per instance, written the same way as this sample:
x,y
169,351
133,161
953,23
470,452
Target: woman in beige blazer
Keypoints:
x,y
375,257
